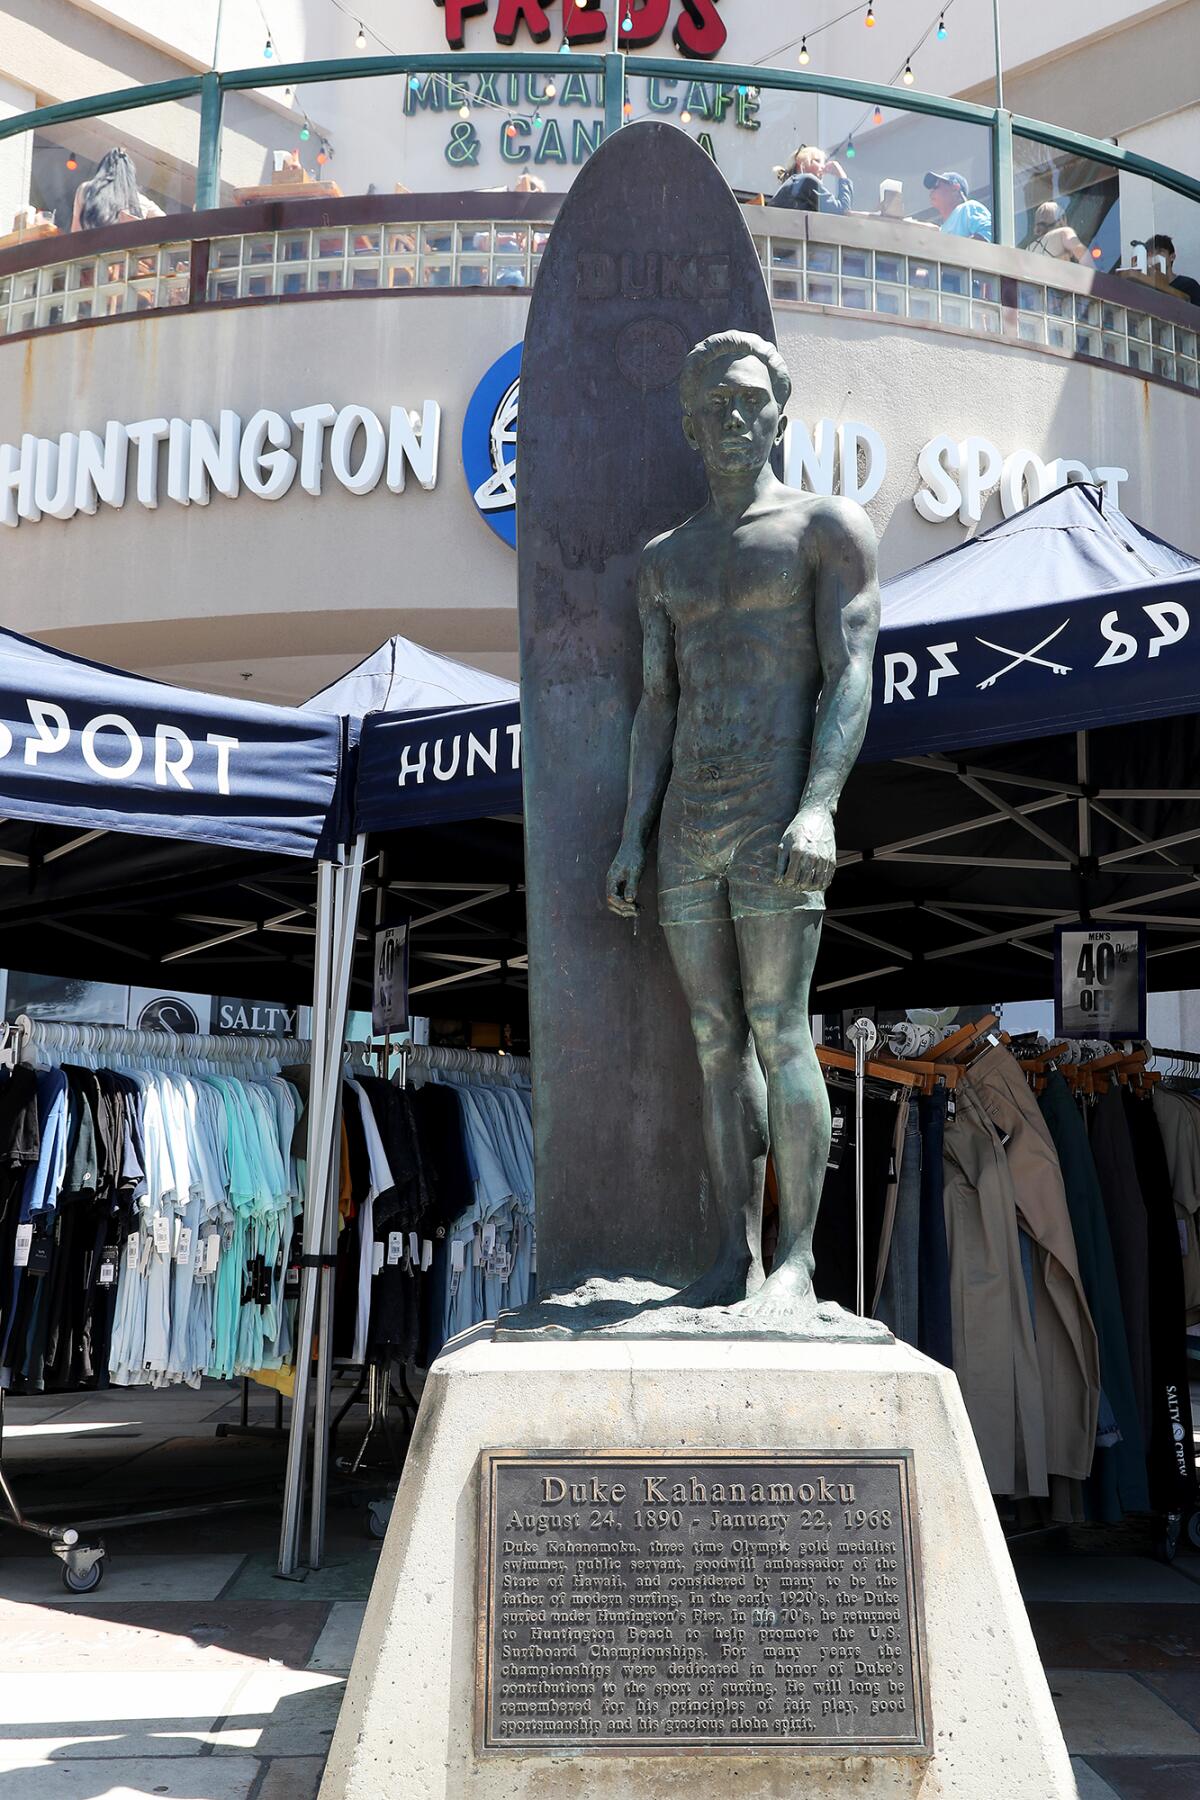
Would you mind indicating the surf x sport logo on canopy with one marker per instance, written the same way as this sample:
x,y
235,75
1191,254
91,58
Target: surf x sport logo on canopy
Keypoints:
x,y
489,445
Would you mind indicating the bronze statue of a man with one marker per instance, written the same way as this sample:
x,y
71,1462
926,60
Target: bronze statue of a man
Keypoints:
x,y
759,618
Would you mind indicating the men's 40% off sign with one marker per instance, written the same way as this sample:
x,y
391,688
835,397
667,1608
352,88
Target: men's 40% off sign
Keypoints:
x,y
1100,982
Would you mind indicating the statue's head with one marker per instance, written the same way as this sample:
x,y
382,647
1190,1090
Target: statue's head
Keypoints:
x,y
734,389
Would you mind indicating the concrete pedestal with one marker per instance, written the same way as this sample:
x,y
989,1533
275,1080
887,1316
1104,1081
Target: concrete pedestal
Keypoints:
x,y
407,1727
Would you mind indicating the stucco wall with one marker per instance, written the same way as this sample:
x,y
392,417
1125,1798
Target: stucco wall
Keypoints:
x,y
292,590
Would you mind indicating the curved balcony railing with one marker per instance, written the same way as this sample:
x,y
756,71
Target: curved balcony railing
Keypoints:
x,y
253,151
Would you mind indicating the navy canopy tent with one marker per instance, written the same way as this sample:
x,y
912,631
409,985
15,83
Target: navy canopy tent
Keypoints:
x,y
438,766
207,794
1033,757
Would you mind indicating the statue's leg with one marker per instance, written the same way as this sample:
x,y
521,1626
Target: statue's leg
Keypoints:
x,y
778,952
734,1106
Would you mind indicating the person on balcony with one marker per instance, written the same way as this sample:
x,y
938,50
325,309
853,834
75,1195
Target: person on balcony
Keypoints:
x,y
1163,247
111,196
961,216
804,183
1052,236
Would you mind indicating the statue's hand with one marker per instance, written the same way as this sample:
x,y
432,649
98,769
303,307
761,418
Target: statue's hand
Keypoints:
x,y
623,879
808,853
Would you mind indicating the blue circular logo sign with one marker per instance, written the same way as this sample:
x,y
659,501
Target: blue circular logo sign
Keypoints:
x,y
489,445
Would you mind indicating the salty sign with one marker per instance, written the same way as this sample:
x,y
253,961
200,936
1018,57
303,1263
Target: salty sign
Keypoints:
x,y
423,767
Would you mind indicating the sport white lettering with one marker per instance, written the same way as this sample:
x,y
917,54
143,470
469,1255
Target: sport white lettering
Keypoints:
x,y
980,467
899,673
222,746
476,749
1110,480
940,496
173,767
1121,646
941,654
1172,621
111,722
44,713
416,767
439,773
1023,480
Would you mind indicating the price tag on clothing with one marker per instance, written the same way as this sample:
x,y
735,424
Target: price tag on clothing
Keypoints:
x,y
106,1274
426,1252
376,1258
212,1252
414,1248
22,1245
458,1256
132,1247
837,1138
951,1106
162,1236
183,1249
489,1237
395,1247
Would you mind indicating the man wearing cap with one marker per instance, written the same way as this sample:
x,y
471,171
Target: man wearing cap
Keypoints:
x,y
960,215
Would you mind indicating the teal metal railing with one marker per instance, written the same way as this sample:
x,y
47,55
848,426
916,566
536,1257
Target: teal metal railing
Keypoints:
x,y
1009,201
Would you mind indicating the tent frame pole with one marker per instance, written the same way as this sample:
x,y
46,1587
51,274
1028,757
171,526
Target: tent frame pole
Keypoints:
x,y
317,1168
345,929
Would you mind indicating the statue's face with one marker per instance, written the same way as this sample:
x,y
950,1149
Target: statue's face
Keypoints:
x,y
735,420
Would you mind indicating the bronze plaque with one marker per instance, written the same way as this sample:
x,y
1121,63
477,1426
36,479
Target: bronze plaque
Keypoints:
x,y
644,1601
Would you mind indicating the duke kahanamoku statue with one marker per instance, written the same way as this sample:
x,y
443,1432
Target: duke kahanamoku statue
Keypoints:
x,y
759,619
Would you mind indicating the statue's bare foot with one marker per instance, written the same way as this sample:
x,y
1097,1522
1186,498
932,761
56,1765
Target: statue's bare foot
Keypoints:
x,y
727,1282
785,1298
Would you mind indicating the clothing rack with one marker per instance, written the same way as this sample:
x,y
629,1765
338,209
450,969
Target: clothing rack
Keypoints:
x,y
20,1040
461,1062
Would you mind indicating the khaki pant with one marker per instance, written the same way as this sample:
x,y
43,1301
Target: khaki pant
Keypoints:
x,y
1067,1351
1179,1122
995,1357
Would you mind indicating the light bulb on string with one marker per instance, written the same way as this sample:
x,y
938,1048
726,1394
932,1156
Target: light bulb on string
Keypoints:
x,y
305,132
941,30
414,82
510,130
72,160
851,152
464,111
685,117
803,59
360,42
627,24
551,90
877,116
268,50
537,121
870,18
627,109
908,77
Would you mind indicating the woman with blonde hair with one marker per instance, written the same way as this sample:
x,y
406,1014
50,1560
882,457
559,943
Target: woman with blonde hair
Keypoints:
x,y
803,185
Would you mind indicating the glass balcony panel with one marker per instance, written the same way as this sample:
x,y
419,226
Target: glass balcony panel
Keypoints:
x,y
1066,206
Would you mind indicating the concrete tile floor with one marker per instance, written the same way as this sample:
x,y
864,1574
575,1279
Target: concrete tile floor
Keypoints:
x,y
194,1674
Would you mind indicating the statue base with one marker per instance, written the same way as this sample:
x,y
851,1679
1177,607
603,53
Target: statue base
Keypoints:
x,y
629,1308
873,1646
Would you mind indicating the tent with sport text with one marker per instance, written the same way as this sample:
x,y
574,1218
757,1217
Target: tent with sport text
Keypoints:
x,y
1033,758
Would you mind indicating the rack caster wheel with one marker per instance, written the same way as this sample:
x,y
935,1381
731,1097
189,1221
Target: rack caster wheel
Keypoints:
x,y
378,1514
1166,1538
1193,1529
82,1567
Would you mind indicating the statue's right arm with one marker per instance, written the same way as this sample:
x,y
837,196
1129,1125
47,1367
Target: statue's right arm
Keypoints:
x,y
651,740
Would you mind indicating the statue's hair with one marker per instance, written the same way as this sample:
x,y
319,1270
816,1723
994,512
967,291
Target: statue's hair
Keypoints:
x,y
732,344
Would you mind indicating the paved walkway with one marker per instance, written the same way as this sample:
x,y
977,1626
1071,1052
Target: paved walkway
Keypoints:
x,y
194,1674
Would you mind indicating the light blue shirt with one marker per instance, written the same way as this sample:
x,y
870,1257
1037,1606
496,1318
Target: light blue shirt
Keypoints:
x,y
971,219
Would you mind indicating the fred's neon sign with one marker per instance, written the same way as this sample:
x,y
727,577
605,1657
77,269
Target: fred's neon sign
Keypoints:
x,y
698,29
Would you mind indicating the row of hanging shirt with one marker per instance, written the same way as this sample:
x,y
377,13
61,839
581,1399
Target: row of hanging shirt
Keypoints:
x,y
146,1210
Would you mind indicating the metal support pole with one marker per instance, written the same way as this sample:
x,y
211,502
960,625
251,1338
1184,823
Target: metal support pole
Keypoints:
x,y
208,159
614,93
1004,198
864,1038
312,1235
344,934
999,53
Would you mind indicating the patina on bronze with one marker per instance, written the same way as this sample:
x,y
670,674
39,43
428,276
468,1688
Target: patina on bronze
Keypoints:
x,y
668,1601
759,618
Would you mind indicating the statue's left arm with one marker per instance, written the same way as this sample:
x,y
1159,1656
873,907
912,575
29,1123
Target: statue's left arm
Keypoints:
x,y
846,586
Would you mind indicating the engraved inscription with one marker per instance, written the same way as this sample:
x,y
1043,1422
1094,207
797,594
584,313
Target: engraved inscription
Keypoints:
x,y
635,1600
653,275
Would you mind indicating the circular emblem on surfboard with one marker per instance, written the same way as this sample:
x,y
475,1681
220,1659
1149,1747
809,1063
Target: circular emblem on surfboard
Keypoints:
x,y
651,352
489,445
